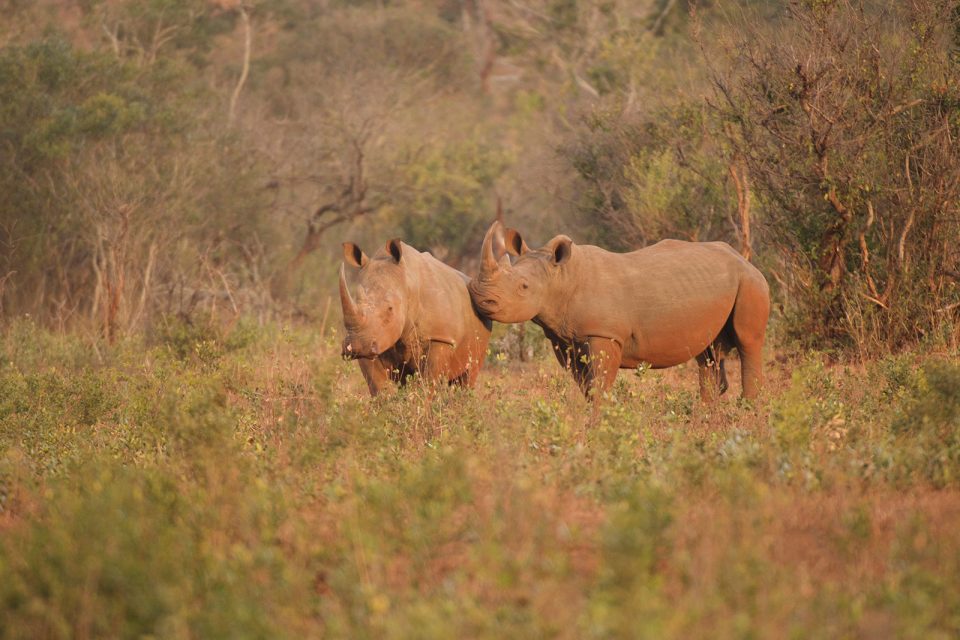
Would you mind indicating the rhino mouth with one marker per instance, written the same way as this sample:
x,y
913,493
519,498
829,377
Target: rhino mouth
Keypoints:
x,y
358,356
351,351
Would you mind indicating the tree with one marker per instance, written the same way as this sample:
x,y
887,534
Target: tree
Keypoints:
x,y
651,176
846,117
118,189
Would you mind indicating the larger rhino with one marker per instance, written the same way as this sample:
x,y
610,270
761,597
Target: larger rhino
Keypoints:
x,y
413,314
659,306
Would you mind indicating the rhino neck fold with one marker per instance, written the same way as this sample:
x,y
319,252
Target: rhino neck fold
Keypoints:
x,y
554,312
411,293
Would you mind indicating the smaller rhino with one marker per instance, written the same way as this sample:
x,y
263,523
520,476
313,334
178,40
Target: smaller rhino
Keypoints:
x,y
413,314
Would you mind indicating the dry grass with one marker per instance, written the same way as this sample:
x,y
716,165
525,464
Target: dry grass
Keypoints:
x,y
249,487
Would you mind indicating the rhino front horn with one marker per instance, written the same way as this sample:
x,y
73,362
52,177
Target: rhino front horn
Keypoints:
x,y
351,316
488,260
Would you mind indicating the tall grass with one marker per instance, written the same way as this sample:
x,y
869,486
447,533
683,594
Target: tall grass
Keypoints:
x,y
204,483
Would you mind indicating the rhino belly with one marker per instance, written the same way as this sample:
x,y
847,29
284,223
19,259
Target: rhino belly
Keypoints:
x,y
666,340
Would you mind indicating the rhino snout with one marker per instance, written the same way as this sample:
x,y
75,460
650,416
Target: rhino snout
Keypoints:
x,y
352,351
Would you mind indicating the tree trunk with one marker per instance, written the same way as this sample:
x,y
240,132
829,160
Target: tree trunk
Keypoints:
x,y
738,171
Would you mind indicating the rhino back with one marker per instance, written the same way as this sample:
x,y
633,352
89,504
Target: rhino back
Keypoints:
x,y
445,310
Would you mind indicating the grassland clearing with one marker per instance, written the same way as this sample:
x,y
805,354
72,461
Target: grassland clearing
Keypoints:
x,y
241,483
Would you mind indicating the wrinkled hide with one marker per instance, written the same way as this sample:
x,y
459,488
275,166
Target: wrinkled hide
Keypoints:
x,y
659,306
411,314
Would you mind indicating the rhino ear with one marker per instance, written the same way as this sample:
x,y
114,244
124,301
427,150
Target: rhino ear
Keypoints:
x,y
395,249
562,248
514,243
353,255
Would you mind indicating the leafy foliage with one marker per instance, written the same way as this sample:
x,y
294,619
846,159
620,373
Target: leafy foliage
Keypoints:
x,y
850,133
102,158
449,208
653,176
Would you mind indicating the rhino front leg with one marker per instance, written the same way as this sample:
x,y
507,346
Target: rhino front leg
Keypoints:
x,y
561,349
376,375
600,361
572,357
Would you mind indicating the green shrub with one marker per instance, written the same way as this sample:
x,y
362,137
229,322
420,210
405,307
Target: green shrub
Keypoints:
x,y
628,600
448,208
927,427
201,337
124,553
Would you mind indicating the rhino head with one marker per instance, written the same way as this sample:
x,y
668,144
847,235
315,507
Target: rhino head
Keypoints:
x,y
517,292
375,320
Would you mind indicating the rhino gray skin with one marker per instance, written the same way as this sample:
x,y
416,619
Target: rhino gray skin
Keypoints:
x,y
658,306
413,314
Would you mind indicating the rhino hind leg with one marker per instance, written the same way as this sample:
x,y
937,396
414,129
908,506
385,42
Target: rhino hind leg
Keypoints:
x,y
469,375
462,380
711,374
467,379
721,347
475,355
749,322
719,351
439,363
711,364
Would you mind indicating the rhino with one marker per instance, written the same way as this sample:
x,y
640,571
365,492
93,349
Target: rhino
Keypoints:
x,y
658,306
413,314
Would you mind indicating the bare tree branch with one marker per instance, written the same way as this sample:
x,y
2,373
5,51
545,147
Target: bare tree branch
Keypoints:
x,y
245,69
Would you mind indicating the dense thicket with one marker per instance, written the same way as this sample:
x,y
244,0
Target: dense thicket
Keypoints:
x,y
172,156
122,195
847,116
